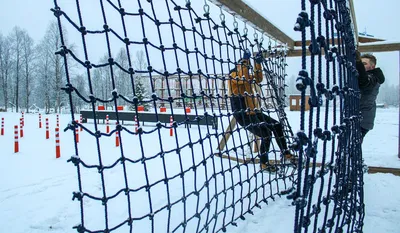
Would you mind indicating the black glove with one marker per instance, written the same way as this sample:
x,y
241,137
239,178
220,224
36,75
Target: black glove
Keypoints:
x,y
247,54
259,58
358,55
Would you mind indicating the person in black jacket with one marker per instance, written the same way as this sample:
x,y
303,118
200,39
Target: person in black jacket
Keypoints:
x,y
369,80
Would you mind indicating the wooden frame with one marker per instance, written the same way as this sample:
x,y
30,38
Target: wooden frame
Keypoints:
x,y
247,14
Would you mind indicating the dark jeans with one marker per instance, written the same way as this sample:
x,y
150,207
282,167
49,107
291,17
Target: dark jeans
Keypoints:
x,y
262,125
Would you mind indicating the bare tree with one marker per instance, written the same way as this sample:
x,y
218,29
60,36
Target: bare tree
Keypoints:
x,y
79,83
5,67
16,38
122,79
28,62
53,66
44,72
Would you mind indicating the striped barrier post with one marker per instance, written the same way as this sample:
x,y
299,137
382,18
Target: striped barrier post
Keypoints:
x,y
47,129
136,124
58,153
58,121
116,137
77,133
80,121
16,145
40,121
171,131
23,119
107,125
21,127
2,126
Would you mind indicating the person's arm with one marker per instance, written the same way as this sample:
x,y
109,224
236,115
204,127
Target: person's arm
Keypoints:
x,y
369,79
362,74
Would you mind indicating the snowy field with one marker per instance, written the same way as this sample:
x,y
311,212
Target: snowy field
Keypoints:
x,y
36,188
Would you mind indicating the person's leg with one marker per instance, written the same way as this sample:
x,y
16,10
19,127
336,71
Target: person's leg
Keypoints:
x,y
363,133
254,125
274,126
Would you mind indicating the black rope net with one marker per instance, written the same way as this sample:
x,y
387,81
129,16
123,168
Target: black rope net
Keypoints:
x,y
201,171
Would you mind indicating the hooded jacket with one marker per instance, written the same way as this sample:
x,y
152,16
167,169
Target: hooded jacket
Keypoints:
x,y
240,86
369,83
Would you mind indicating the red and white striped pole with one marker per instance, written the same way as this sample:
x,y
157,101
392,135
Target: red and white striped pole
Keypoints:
x,y
58,121
58,153
80,121
47,129
77,133
23,119
136,124
116,137
40,121
2,126
16,146
21,127
171,131
107,125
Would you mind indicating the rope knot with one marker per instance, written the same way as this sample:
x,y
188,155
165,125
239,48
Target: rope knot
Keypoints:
x,y
62,51
300,202
83,30
75,160
302,80
302,21
79,228
77,195
68,89
330,14
57,12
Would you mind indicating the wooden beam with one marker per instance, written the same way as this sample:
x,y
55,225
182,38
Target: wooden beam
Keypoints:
x,y
371,169
363,48
364,39
394,171
354,20
239,8
379,47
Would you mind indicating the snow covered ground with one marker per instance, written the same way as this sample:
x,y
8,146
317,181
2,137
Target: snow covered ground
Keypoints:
x,y
36,188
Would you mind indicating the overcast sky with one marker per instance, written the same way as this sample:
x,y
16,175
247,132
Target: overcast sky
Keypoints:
x,y
379,18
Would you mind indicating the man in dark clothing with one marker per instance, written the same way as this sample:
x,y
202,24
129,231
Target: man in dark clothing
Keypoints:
x,y
369,80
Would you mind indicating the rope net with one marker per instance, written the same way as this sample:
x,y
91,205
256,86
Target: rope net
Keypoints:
x,y
229,146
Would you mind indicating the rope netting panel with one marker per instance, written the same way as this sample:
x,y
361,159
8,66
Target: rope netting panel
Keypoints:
x,y
223,90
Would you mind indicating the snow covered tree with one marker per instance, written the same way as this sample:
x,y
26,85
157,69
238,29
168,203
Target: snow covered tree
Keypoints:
x,y
140,93
141,89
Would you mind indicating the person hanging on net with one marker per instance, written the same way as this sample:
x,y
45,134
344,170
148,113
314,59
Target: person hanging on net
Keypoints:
x,y
369,80
244,107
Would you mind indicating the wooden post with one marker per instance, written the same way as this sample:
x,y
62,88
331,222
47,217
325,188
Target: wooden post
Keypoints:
x,y
227,134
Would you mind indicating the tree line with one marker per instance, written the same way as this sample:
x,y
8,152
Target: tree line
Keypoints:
x,y
31,75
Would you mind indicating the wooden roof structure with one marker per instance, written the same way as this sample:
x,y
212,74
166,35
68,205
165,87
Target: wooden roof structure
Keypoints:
x,y
249,15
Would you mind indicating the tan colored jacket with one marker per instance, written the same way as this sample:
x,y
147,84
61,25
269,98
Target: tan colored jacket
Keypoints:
x,y
240,86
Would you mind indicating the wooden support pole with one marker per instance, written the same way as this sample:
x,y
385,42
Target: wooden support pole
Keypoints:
x,y
227,134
